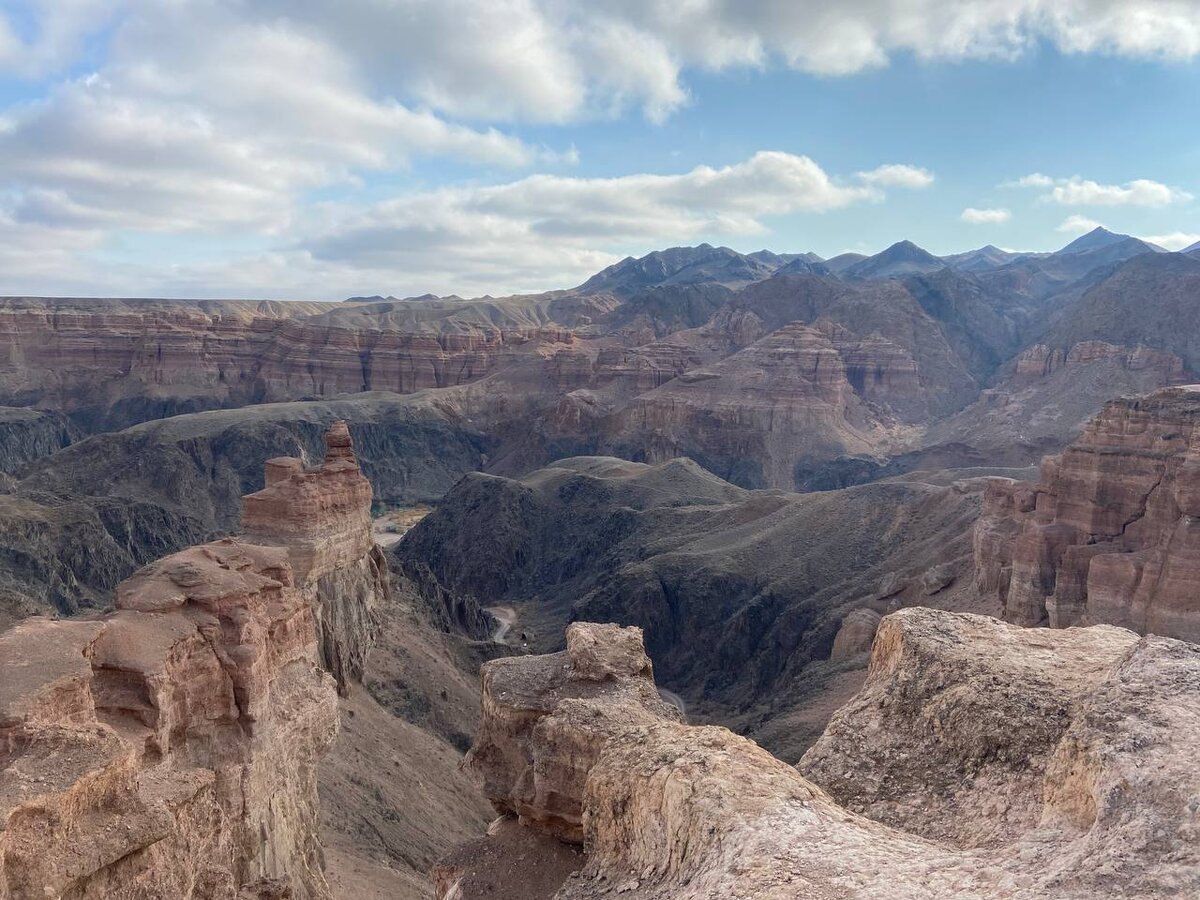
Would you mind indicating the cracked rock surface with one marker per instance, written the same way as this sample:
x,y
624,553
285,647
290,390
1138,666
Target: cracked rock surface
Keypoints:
x,y
980,760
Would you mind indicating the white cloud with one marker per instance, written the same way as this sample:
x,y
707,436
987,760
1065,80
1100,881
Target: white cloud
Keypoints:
x,y
1078,225
1176,240
559,60
541,224
1037,180
56,33
1076,191
898,176
985,216
227,116
214,124
1141,192
537,232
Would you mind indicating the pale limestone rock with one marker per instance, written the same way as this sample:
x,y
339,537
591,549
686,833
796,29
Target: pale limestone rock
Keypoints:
x,y
546,719
855,634
990,761
168,750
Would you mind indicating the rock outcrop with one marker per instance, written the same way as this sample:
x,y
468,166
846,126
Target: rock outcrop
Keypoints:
x,y
81,520
755,414
855,634
322,516
545,721
1112,532
1072,783
170,749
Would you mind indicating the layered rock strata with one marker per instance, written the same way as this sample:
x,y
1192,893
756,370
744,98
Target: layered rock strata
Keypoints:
x,y
116,362
322,516
169,749
1112,531
755,414
1071,783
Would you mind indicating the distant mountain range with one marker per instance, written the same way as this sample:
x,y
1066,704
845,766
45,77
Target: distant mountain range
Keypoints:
x,y
706,264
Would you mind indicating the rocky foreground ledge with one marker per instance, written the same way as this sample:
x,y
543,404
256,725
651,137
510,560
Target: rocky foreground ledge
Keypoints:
x,y
169,750
980,760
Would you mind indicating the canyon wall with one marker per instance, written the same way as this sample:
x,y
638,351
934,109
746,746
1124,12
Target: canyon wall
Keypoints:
x,y
741,593
111,363
755,415
27,435
1054,768
1111,533
169,749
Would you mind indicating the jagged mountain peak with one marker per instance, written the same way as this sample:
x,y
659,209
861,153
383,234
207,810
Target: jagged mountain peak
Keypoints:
x,y
902,258
1095,239
679,265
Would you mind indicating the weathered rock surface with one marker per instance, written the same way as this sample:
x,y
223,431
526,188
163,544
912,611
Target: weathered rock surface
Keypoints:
x,y
545,720
170,749
111,363
203,655
755,414
1071,784
1069,752
1111,533
856,633
322,515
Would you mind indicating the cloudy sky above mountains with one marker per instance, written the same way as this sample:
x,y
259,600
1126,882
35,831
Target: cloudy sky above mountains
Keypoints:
x,y
304,148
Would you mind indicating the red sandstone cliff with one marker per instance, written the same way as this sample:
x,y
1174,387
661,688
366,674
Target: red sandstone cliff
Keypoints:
x,y
169,749
1112,531
322,515
113,362
785,399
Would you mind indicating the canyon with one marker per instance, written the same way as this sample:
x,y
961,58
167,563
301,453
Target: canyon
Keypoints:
x,y
688,351
171,747
788,500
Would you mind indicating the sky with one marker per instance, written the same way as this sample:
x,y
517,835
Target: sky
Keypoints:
x,y
304,149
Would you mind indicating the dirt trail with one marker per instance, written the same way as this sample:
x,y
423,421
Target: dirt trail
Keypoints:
x,y
506,618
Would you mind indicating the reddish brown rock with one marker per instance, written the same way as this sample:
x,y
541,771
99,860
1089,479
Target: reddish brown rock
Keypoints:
x,y
545,720
322,516
168,750
114,362
1040,361
754,415
1109,535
